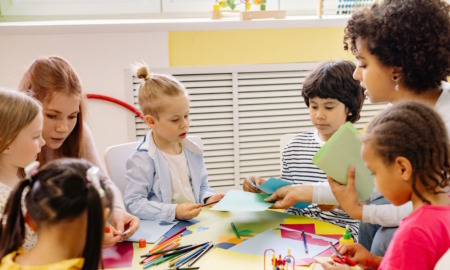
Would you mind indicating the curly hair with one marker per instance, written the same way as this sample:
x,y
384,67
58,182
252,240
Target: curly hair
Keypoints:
x,y
411,34
335,80
415,131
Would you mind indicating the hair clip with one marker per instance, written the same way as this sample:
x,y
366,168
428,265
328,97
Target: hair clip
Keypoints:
x,y
31,169
92,176
147,77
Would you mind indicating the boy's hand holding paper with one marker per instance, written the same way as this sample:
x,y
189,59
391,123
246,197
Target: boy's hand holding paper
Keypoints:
x,y
341,152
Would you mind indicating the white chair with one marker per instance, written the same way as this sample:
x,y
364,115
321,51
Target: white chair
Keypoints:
x,y
116,157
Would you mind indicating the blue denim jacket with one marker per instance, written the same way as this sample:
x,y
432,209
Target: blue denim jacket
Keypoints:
x,y
148,194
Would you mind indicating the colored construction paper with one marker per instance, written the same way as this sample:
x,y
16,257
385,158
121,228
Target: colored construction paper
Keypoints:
x,y
237,200
271,239
151,230
271,185
339,153
225,259
118,256
181,224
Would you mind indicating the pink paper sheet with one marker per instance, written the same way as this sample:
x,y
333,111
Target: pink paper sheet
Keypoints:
x,y
120,255
309,228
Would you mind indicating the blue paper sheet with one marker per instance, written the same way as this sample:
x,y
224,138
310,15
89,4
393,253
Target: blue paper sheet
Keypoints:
x,y
238,200
273,184
151,230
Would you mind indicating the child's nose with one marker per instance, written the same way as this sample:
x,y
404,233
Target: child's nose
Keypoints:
x,y
357,74
320,115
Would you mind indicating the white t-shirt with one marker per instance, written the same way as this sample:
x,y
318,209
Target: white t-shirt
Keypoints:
x,y
30,235
180,178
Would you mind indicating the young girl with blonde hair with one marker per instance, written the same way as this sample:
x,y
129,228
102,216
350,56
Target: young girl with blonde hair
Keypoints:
x,y
20,142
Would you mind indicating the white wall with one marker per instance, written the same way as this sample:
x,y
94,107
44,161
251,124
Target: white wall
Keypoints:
x,y
100,58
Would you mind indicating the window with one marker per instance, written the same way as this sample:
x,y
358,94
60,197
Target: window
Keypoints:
x,y
153,9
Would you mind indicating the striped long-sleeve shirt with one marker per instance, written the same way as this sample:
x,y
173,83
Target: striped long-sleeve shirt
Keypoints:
x,y
298,168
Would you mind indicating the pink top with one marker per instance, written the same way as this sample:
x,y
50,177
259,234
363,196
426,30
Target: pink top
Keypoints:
x,y
421,239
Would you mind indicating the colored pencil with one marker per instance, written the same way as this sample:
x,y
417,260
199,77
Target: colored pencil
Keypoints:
x,y
154,256
191,256
200,255
206,204
304,242
165,251
185,255
173,235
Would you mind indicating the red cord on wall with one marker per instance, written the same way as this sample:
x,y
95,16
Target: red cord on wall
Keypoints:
x,y
116,101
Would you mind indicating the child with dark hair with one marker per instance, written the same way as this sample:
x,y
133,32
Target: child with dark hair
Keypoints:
x,y
333,98
407,149
66,203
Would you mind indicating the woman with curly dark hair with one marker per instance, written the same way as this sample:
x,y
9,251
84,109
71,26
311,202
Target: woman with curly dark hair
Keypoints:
x,y
403,49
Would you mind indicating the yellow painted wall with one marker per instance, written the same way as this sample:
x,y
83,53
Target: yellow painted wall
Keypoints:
x,y
260,46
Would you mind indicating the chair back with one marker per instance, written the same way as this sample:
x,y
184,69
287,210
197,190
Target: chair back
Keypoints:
x,y
116,157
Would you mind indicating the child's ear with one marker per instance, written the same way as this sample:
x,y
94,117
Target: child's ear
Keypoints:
x,y
150,120
404,168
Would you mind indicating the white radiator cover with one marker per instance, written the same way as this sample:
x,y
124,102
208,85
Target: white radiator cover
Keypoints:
x,y
240,113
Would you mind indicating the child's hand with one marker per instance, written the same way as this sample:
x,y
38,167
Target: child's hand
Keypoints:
x,y
360,255
215,198
186,211
125,223
111,236
247,185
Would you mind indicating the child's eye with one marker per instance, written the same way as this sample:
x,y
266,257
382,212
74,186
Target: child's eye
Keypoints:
x,y
174,120
186,116
73,117
329,108
51,116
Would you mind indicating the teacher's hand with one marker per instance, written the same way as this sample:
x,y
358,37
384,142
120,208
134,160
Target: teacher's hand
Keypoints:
x,y
125,223
287,196
347,196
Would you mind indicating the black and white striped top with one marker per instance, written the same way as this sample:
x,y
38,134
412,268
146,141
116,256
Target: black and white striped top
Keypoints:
x,y
298,167
297,159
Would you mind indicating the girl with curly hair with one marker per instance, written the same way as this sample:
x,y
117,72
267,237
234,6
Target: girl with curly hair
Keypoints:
x,y
407,149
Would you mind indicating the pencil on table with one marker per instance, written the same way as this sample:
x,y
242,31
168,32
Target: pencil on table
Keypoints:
x,y
304,242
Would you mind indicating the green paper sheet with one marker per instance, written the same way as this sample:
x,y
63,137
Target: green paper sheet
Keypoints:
x,y
237,200
339,153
